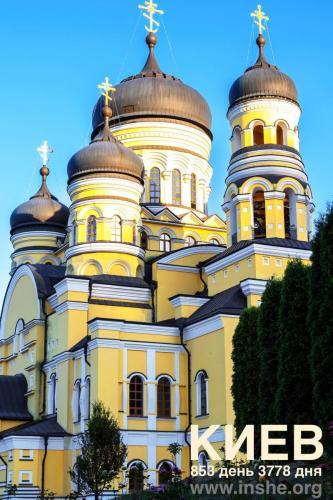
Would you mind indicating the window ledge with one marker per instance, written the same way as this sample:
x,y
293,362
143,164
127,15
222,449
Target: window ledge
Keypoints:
x,y
166,418
132,417
200,417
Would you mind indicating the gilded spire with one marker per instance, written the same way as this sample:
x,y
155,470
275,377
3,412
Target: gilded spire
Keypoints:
x,y
44,151
260,17
150,9
106,87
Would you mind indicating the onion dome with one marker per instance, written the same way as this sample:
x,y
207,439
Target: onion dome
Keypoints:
x,y
262,80
42,212
152,94
105,157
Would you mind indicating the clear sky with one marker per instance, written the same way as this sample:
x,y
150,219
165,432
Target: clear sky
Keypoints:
x,y
53,54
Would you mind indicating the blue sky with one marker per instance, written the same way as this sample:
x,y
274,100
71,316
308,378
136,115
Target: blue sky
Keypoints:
x,y
53,54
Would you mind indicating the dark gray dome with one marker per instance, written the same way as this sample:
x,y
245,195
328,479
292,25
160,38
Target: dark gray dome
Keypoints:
x,y
154,94
262,80
105,156
41,212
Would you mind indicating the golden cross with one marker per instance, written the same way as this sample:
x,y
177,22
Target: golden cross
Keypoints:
x,y
260,16
107,87
44,150
151,8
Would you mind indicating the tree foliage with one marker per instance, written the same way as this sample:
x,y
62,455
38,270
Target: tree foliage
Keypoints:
x,y
102,453
245,375
294,390
320,321
268,348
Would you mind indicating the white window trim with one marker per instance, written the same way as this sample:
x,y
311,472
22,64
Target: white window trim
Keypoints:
x,y
27,457
198,395
24,472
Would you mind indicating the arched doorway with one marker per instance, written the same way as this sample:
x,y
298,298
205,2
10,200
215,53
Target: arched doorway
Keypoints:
x,y
259,215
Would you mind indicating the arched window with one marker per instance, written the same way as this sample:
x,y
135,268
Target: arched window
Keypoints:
x,y
258,135
18,340
203,460
190,241
91,228
202,393
136,396
87,399
52,394
287,215
76,406
116,228
259,214
237,139
290,216
155,185
136,477
164,398
281,134
193,191
144,240
164,473
214,241
165,243
74,232
176,187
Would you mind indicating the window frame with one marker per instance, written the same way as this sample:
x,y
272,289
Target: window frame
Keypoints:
x,y
155,185
164,397
165,242
176,187
136,396
91,229
116,229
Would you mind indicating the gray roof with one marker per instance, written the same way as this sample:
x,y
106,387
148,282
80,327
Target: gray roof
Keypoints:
x,y
274,242
231,301
13,400
47,427
46,277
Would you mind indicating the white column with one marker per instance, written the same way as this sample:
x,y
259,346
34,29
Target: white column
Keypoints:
x,y
166,187
186,190
125,386
177,392
151,390
152,457
201,195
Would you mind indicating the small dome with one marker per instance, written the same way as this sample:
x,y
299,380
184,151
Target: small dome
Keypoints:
x,y
105,156
153,94
262,80
41,212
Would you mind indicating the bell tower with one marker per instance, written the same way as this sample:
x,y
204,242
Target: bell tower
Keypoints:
x,y
267,194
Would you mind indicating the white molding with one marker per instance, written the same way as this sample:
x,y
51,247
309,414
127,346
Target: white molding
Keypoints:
x,y
104,247
71,285
71,306
217,437
203,327
188,301
19,273
53,300
194,250
182,269
115,292
282,106
274,195
134,328
253,286
31,443
265,170
134,346
36,234
256,249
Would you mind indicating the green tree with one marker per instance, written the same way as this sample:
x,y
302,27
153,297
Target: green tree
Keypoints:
x,y
245,374
102,453
268,345
320,320
294,391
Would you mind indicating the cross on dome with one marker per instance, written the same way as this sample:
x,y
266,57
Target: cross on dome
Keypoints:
x,y
45,150
107,87
151,9
260,16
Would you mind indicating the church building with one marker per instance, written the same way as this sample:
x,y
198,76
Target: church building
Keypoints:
x,y
131,295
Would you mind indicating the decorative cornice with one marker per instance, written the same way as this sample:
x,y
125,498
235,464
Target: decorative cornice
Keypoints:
x,y
274,195
267,170
71,285
127,249
256,249
183,300
132,328
115,292
186,252
256,104
181,269
253,286
71,306
203,327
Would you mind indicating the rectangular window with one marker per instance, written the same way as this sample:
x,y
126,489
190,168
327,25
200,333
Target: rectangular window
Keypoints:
x,y
25,477
26,454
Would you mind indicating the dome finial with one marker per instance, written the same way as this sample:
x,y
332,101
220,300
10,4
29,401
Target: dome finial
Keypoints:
x,y
44,150
259,17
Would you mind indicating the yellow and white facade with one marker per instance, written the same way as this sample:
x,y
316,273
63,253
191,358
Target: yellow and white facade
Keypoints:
x,y
133,295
